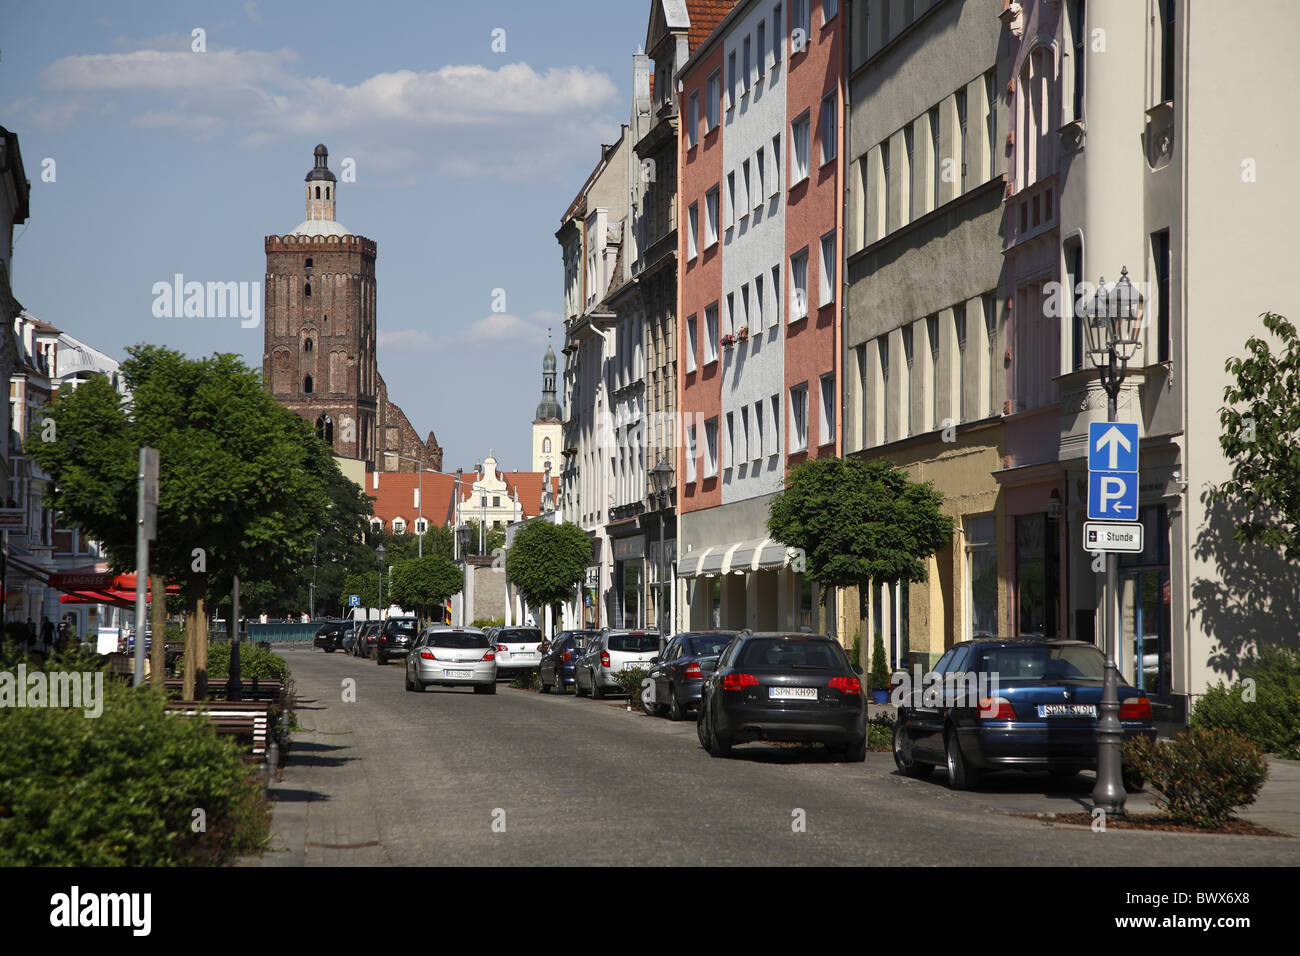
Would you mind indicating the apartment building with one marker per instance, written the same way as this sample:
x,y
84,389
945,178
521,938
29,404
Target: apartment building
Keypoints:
x,y
759,197
924,382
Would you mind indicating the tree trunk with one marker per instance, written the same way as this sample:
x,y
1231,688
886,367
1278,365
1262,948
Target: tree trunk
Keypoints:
x,y
157,656
195,685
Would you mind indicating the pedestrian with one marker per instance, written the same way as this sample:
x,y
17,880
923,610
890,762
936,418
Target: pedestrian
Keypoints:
x,y
65,634
47,635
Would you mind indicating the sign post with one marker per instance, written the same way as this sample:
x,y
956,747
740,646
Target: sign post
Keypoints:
x,y
147,530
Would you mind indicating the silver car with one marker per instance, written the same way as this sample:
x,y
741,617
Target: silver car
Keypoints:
x,y
614,651
452,657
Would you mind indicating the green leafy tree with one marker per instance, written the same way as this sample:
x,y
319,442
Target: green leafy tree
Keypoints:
x,y
548,561
242,480
493,539
423,584
364,585
858,522
1261,439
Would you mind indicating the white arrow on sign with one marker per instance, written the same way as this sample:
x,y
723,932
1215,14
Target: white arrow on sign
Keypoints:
x,y
1114,438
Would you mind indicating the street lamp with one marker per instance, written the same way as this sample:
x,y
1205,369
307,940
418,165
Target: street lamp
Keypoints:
x,y
462,539
380,553
662,477
1114,317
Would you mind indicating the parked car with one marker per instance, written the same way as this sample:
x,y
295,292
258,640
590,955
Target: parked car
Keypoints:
x,y
452,657
329,636
678,673
610,652
555,670
348,637
787,687
519,649
396,635
1040,715
366,638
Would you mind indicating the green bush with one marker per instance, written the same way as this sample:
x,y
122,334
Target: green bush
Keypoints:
x,y
120,789
1268,712
854,649
254,661
880,732
629,682
525,681
879,678
485,622
1201,775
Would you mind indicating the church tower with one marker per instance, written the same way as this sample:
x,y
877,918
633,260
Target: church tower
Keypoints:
x,y
319,354
547,426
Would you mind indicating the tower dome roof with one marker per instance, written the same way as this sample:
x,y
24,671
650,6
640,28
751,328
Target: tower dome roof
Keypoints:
x,y
548,361
322,168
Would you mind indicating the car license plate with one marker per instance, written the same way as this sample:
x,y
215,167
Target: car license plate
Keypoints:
x,y
1067,710
792,693
447,673
633,665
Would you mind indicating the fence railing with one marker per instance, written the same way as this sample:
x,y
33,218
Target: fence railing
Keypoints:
x,y
296,633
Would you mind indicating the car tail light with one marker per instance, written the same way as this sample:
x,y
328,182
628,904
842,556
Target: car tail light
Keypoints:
x,y
490,655
693,671
996,708
428,655
567,657
846,685
502,647
541,647
604,658
738,681
1135,708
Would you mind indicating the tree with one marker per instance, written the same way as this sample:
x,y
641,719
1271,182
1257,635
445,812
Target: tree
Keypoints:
x,y
493,539
548,561
859,521
421,584
242,480
365,586
1261,439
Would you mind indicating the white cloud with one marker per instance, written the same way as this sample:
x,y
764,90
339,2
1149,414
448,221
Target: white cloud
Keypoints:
x,y
406,340
502,327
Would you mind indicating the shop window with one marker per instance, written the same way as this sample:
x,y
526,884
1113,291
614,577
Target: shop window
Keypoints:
x,y
1037,576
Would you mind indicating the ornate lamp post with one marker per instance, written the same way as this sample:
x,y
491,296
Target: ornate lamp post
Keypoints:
x,y
1113,322
463,533
662,477
380,553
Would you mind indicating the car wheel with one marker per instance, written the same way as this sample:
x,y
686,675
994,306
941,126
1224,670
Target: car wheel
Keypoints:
x,y
855,752
380,659
719,746
541,684
329,650
577,685
702,729
675,711
596,692
960,774
409,685
903,759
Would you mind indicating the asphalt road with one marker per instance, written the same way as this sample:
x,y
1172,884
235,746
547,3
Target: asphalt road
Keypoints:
x,y
451,777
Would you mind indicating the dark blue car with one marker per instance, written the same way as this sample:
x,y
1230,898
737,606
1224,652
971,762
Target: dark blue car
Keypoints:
x,y
555,671
1010,704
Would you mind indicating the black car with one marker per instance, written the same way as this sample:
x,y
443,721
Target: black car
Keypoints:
x,y
329,636
784,687
679,671
1011,704
366,638
395,638
555,671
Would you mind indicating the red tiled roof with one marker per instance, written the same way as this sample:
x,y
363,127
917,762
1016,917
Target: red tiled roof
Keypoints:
x,y
395,497
705,16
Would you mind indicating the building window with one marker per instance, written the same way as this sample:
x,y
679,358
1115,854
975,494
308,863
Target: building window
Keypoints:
x,y
306,290
932,333
744,65
1167,50
730,326
906,182
306,345
961,135
309,262
775,419
762,49
1079,43
744,305
799,418
776,164
1037,575
757,447
959,321
826,429
1070,296
801,20
731,81
777,300
744,189
884,387
711,448
731,199
692,229
713,102
829,9
829,139
399,526
711,217
799,149
799,285
826,267
306,384
690,344
690,454
778,27
991,119
1160,257
981,576
711,333
759,193
757,324
885,199
546,445
991,340
729,443
693,132
936,161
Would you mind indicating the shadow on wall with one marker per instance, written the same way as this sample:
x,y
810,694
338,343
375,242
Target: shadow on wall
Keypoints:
x,y
1255,600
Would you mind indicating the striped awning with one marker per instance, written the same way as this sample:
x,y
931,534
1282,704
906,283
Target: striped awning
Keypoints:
x,y
758,554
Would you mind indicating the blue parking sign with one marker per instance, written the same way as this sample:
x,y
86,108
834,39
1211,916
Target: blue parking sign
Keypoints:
x,y
1113,446
1112,495
354,600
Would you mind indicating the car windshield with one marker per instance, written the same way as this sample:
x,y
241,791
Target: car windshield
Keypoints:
x,y
407,627
519,635
634,643
461,639
1044,662
706,646
789,654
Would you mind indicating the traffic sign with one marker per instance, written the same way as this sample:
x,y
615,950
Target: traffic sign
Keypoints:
x,y
354,600
1112,446
1112,471
1122,536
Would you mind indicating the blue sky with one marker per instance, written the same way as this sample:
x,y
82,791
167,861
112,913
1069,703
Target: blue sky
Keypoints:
x,y
170,161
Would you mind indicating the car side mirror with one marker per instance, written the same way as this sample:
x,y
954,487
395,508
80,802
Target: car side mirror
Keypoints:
x,y
857,669
654,660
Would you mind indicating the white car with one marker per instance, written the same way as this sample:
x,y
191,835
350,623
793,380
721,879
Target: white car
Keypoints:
x,y
452,657
518,649
614,651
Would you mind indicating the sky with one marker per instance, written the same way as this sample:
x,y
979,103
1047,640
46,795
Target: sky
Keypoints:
x,y
149,158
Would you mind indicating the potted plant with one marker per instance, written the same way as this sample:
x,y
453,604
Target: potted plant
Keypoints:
x,y
743,334
728,340
879,678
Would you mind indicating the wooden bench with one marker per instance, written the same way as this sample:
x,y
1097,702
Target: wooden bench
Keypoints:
x,y
240,718
265,689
